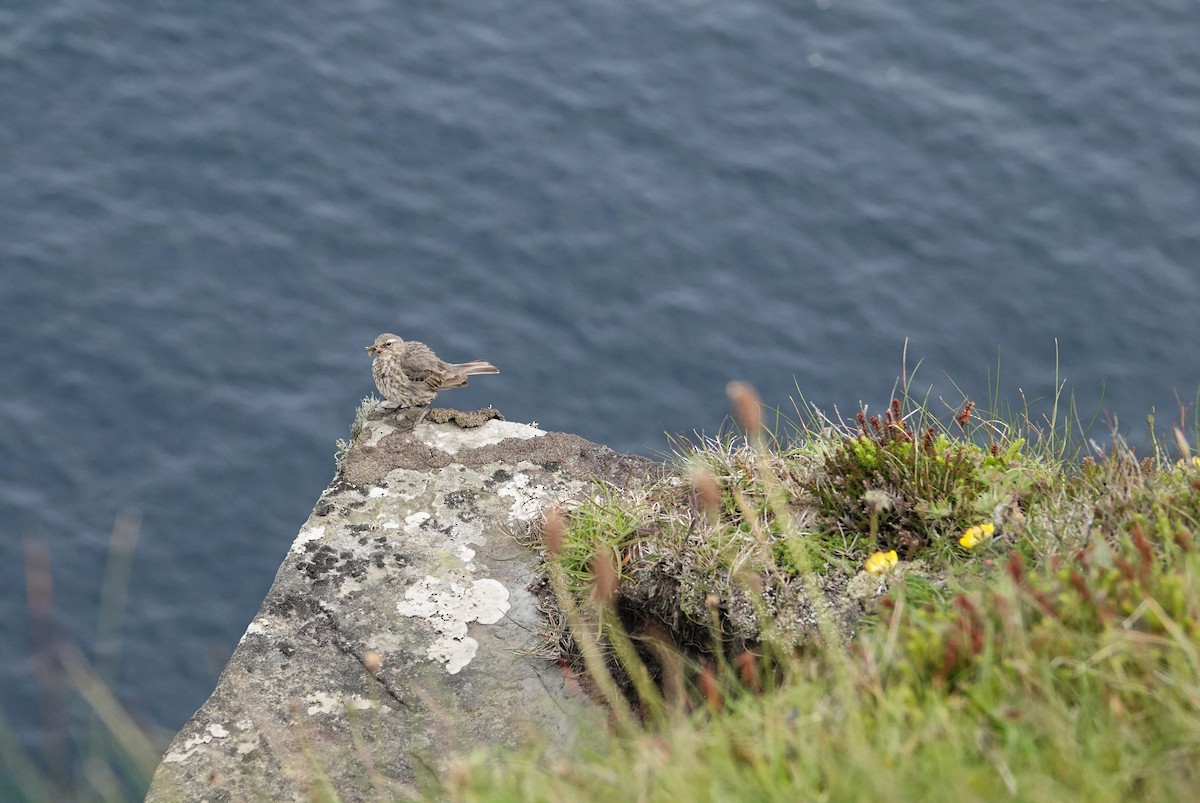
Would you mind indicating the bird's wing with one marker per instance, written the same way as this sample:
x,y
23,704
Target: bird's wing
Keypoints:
x,y
419,362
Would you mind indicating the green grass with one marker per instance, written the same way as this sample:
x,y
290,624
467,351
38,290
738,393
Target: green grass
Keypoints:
x,y
725,614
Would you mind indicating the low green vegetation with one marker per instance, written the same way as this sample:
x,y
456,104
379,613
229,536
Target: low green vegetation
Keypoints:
x,y
889,608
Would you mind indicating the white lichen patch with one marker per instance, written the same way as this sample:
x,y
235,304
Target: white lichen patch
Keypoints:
x,y
413,522
468,533
320,702
356,702
311,534
448,608
528,497
377,431
377,492
259,625
214,730
454,653
525,496
451,441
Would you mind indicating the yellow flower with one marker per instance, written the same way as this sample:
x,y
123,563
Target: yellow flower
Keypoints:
x,y
974,536
881,562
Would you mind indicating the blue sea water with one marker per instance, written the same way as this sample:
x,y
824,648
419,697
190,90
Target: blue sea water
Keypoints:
x,y
207,210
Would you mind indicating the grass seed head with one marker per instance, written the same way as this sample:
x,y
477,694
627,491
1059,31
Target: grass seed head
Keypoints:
x,y
604,578
552,531
747,407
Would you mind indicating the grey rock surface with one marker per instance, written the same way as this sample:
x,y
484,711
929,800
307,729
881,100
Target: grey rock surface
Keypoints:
x,y
394,635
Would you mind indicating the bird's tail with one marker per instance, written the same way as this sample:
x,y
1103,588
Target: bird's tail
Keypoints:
x,y
475,367
456,374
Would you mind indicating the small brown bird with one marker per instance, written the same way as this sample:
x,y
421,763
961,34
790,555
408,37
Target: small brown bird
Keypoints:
x,y
409,374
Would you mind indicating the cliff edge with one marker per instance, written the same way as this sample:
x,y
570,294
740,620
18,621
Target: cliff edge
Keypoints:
x,y
397,631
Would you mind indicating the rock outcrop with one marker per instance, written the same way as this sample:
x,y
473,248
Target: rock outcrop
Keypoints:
x,y
397,630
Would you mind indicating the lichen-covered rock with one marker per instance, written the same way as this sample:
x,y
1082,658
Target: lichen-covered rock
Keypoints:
x,y
396,633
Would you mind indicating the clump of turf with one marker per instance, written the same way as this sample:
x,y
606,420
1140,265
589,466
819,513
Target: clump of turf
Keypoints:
x,y
882,608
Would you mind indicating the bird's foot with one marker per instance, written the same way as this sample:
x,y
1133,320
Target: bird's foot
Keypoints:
x,y
408,417
385,407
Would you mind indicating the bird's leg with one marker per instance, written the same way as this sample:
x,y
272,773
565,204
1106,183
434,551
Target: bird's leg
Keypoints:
x,y
421,417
